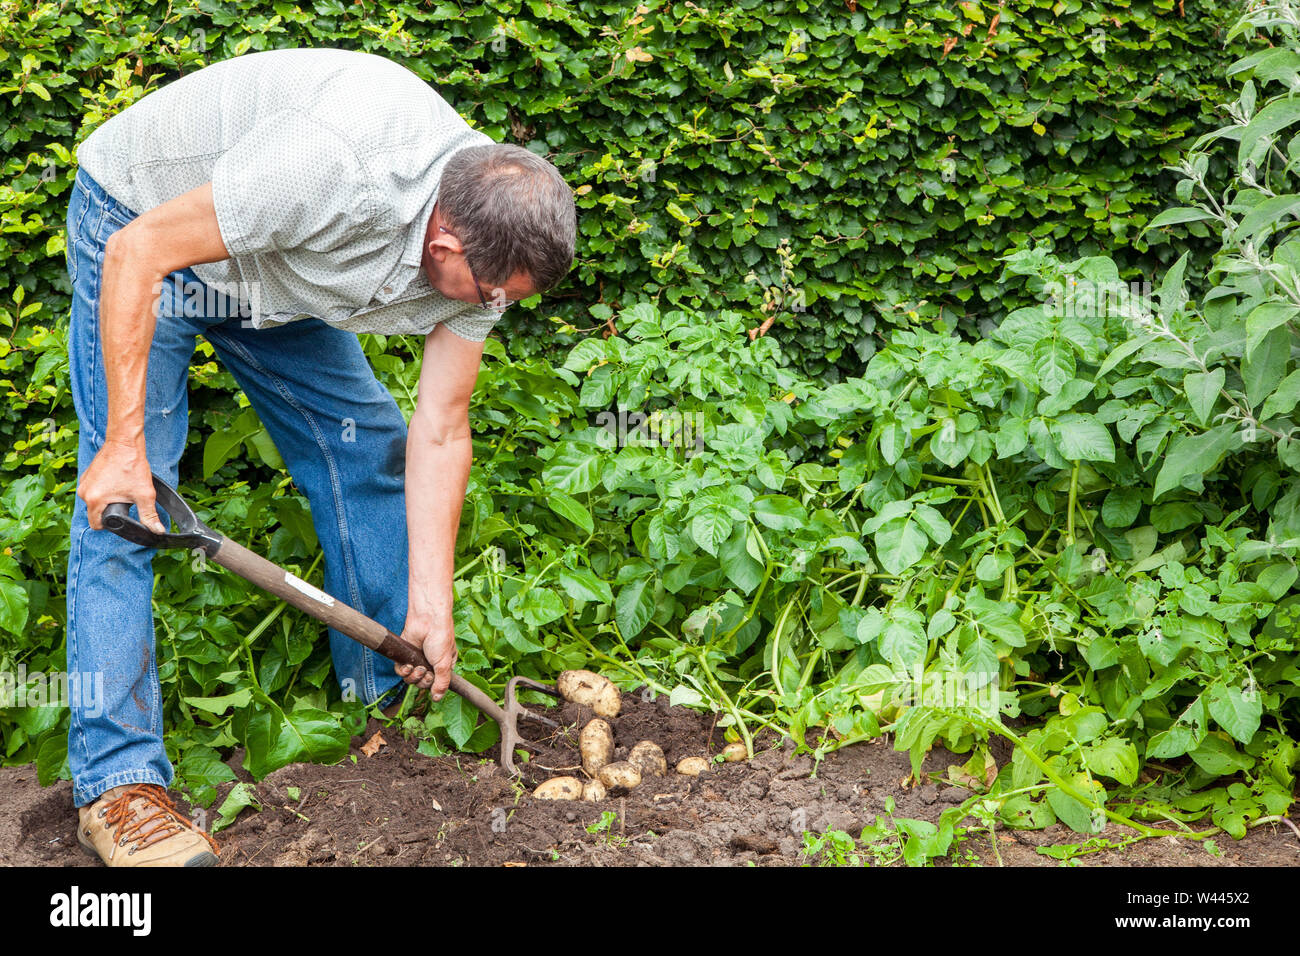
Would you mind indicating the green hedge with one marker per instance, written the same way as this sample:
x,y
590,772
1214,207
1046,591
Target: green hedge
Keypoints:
x,y
846,168
822,161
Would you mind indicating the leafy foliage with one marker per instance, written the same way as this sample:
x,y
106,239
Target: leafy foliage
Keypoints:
x,y
1073,526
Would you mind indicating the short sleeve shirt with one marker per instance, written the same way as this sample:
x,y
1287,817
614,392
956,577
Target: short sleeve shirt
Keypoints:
x,y
324,167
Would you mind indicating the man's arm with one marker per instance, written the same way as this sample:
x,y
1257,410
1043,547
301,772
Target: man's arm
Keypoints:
x,y
439,449
137,258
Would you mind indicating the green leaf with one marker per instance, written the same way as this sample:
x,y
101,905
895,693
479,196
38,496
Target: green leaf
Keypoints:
x,y
1284,398
219,705
1173,217
1078,816
1202,390
780,512
1174,742
940,624
893,442
312,736
1081,438
741,567
1269,121
1121,352
241,797
900,543
572,469
538,606
903,643
951,446
458,718
22,496
1262,372
1263,319
1217,756
1269,214
274,739
711,527
933,523
570,508
13,606
1193,456
1236,710
634,607
1277,579
52,760
582,584
1112,758
1121,507
221,444
201,770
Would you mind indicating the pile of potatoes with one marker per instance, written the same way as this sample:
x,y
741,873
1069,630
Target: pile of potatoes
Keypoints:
x,y
596,744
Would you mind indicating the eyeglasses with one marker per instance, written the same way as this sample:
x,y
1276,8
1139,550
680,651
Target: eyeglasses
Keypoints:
x,y
477,288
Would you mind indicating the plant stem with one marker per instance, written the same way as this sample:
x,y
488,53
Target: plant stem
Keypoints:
x,y
1074,497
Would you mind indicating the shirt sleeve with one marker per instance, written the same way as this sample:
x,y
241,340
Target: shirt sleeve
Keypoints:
x,y
475,324
291,182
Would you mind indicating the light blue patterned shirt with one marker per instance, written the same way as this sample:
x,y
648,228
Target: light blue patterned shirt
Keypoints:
x,y
324,167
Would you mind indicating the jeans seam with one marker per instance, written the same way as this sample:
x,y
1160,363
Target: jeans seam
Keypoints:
x,y
74,231
96,439
77,725
105,218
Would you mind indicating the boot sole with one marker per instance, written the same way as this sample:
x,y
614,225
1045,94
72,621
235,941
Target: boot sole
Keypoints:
x,y
202,859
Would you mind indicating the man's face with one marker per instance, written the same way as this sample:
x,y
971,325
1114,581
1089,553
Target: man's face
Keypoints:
x,y
448,270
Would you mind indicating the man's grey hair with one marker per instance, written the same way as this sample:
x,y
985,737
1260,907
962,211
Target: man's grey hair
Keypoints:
x,y
512,211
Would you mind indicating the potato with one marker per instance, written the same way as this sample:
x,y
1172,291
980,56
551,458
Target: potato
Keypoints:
x,y
593,791
648,758
609,703
733,753
596,743
560,788
692,766
592,690
620,774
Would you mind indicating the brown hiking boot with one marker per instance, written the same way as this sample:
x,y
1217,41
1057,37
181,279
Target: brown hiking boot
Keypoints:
x,y
138,825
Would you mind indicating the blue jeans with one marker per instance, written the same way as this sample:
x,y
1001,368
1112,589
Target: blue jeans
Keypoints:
x,y
339,432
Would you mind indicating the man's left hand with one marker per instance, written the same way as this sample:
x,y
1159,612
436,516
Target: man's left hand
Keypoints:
x,y
438,641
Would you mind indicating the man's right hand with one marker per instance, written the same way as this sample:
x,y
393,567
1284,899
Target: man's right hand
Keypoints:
x,y
120,472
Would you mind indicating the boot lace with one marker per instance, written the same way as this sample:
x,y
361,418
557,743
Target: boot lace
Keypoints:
x,y
119,814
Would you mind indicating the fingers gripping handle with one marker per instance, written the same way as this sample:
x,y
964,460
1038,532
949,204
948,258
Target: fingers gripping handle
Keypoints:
x,y
342,617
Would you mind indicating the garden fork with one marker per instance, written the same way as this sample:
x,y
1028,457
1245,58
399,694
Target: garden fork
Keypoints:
x,y
193,533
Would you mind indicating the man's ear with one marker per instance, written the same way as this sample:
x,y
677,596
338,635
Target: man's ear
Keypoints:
x,y
441,245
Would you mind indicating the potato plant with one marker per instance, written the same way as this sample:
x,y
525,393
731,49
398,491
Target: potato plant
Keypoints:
x,y
1072,524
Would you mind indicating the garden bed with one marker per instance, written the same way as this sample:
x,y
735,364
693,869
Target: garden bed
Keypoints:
x,y
399,807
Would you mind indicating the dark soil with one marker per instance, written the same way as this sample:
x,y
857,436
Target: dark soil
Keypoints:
x,y
399,807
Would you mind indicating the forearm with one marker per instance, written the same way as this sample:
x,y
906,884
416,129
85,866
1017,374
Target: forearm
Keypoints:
x,y
438,456
126,322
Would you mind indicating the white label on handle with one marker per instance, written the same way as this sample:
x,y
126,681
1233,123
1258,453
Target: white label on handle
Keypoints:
x,y
314,593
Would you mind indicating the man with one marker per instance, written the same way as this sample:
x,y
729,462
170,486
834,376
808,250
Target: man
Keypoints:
x,y
306,195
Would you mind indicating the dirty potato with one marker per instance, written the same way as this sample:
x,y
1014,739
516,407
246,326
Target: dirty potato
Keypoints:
x,y
591,690
732,753
596,743
609,703
620,774
692,766
648,758
560,788
593,791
